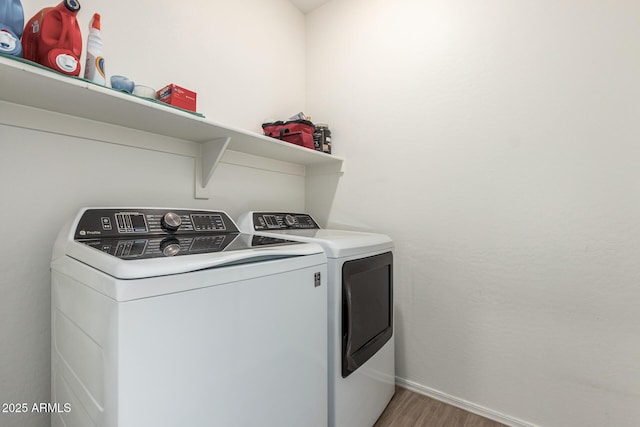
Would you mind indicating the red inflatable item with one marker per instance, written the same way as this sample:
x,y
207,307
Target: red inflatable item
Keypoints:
x,y
52,38
298,132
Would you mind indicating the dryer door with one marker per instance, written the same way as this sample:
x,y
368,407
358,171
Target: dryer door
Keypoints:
x,y
367,309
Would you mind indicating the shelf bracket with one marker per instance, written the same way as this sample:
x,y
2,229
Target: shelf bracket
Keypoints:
x,y
334,168
210,154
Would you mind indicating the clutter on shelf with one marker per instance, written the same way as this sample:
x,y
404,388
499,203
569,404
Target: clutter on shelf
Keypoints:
x,y
300,130
11,27
178,97
52,39
94,67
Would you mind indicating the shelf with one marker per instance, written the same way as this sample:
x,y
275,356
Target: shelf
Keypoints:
x,y
45,90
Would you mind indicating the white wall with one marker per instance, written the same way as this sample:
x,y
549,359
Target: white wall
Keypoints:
x,y
219,49
497,143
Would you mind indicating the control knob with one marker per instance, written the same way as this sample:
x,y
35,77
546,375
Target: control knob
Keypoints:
x,y
171,221
170,246
290,220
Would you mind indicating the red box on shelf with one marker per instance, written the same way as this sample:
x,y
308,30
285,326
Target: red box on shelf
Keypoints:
x,y
178,97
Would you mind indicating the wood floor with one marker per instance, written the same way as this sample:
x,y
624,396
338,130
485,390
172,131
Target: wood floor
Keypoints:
x,y
409,409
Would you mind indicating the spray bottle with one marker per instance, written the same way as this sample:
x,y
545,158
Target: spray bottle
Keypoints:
x,y
11,26
94,68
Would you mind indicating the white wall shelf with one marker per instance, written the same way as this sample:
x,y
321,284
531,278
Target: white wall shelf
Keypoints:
x,y
41,99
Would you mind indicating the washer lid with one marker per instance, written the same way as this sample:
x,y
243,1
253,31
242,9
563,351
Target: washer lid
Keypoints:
x,y
142,258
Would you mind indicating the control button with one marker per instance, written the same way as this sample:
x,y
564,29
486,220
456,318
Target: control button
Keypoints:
x,y
208,222
171,221
170,246
120,220
271,221
290,220
106,223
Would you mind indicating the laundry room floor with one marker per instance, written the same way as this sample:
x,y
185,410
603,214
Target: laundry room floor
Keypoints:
x,y
409,409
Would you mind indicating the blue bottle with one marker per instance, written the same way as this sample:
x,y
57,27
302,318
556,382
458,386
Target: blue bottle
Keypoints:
x,y
11,27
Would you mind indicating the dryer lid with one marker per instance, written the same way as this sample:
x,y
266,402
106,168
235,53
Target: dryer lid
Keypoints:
x,y
302,227
337,243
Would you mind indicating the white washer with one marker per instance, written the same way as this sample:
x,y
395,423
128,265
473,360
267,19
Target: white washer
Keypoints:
x,y
171,318
360,312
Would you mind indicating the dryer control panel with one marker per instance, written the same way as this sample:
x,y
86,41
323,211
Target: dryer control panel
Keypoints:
x,y
134,222
283,221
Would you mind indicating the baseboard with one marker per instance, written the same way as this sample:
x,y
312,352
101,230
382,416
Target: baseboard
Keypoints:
x,y
462,404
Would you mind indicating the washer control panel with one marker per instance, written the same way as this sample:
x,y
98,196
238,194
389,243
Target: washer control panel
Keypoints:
x,y
158,246
131,234
96,223
283,221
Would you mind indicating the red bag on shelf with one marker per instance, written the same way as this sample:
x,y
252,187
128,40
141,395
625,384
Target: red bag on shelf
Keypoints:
x,y
298,132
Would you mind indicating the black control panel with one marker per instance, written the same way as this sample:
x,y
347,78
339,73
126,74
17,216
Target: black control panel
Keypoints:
x,y
141,248
153,233
283,221
134,222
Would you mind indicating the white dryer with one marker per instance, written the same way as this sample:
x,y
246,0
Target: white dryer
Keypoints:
x,y
171,318
360,312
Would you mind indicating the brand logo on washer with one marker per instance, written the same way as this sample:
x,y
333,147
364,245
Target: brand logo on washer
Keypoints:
x,y
91,233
